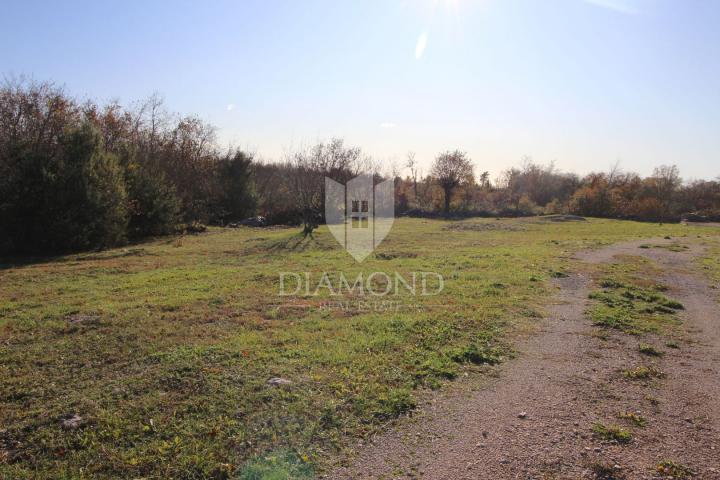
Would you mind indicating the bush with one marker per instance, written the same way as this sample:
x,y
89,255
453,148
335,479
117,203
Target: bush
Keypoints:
x,y
154,207
69,198
76,177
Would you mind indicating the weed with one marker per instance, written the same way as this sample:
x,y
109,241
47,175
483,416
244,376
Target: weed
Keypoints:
x,y
436,368
281,465
643,372
673,247
674,304
478,354
674,470
558,274
672,344
394,255
395,403
611,283
605,472
612,433
650,350
634,418
632,306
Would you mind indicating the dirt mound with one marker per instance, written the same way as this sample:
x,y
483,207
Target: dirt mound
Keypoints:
x,y
564,218
498,225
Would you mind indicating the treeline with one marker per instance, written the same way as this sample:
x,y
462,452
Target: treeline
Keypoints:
x,y
534,189
451,188
77,175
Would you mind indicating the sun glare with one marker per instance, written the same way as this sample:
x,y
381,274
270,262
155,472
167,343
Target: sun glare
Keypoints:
x,y
420,45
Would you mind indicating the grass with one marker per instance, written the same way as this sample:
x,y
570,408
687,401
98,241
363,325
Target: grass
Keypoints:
x,y
630,300
673,247
650,350
672,469
163,349
612,433
283,465
633,418
643,372
709,262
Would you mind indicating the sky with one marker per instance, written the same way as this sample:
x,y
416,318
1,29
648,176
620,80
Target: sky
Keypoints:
x,y
582,83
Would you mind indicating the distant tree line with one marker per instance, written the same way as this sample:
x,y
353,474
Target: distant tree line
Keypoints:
x,y
77,175
534,189
293,189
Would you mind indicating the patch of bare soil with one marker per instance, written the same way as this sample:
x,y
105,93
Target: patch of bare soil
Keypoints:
x,y
535,419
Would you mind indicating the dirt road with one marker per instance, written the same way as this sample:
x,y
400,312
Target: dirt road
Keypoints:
x,y
534,420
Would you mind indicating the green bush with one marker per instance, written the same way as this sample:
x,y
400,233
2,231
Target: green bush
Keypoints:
x,y
69,197
154,207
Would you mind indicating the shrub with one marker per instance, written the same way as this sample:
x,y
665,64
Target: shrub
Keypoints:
x,y
153,206
69,198
612,433
478,354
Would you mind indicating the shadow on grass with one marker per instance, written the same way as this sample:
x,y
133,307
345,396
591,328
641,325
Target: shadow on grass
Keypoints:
x,y
21,261
298,242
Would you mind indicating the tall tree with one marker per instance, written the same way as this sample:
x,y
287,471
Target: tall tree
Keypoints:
x,y
411,164
450,170
665,182
237,194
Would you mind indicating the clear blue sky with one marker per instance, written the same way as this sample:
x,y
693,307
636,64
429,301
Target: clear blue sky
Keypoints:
x,y
584,83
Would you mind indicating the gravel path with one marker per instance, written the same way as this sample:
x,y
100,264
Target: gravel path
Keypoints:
x,y
534,419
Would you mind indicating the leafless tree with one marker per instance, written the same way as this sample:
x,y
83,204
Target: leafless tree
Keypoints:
x,y
411,164
308,169
450,170
665,182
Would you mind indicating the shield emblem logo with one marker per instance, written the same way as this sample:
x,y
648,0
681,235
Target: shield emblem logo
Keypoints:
x,y
359,214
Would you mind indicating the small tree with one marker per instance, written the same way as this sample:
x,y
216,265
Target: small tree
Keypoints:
x,y
307,170
450,170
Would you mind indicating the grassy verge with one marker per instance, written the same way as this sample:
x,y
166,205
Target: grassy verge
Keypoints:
x,y
152,361
710,262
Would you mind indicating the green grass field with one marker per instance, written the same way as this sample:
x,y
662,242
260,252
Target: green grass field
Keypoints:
x,y
164,348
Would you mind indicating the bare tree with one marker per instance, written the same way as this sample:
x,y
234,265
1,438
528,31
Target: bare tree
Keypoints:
x,y
450,170
665,182
308,169
485,180
412,166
